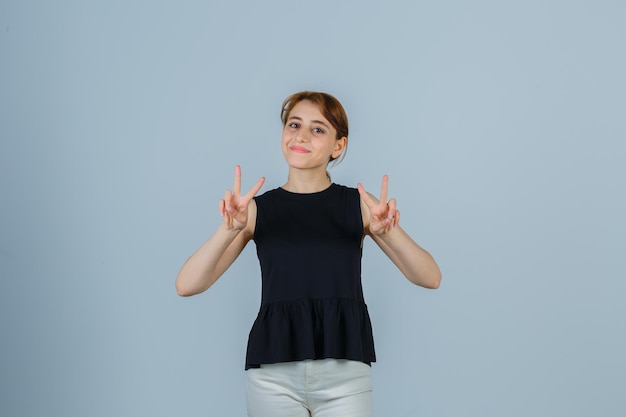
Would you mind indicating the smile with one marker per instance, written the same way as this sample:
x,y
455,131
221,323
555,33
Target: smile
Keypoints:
x,y
298,149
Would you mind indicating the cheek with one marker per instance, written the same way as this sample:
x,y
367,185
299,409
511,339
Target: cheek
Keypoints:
x,y
284,141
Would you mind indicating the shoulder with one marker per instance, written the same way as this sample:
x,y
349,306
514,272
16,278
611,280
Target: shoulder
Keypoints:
x,y
348,196
268,195
344,189
262,200
251,225
352,194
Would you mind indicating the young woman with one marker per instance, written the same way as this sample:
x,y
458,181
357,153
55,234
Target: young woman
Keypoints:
x,y
311,346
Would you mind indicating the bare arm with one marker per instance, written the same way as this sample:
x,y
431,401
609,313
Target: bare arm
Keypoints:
x,y
214,257
381,222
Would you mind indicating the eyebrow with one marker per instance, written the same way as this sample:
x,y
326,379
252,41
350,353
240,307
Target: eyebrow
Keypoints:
x,y
314,121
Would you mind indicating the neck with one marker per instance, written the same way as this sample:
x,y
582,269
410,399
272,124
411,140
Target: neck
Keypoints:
x,y
306,181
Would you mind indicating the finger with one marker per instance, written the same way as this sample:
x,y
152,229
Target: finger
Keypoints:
x,y
383,189
391,208
222,204
228,196
396,218
237,186
226,218
365,196
255,189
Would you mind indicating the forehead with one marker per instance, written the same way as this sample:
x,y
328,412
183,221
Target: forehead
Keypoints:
x,y
306,109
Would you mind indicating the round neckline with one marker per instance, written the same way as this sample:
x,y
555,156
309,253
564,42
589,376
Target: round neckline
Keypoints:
x,y
313,194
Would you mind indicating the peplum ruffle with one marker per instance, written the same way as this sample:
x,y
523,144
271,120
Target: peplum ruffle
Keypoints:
x,y
306,328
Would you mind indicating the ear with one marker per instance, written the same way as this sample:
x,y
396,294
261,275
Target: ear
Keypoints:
x,y
340,145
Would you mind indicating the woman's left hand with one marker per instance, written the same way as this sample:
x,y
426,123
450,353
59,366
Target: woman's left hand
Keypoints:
x,y
383,214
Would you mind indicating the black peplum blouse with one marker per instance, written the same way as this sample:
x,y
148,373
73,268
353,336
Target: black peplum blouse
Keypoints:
x,y
309,247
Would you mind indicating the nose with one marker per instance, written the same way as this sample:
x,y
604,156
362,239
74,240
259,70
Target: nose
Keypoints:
x,y
301,137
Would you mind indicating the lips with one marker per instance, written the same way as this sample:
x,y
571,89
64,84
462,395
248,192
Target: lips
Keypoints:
x,y
298,149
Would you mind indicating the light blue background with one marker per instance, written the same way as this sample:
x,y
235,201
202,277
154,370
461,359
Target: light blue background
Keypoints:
x,y
501,126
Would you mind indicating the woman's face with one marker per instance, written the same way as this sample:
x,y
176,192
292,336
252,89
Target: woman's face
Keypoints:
x,y
309,140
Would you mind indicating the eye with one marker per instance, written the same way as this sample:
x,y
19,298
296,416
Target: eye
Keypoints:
x,y
293,125
318,130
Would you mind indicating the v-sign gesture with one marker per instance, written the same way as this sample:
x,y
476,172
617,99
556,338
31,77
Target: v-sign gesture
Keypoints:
x,y
383,214
234,206
417,265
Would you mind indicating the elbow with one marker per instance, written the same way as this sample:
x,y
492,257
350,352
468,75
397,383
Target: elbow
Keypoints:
x,y
432,282
184,288
182,291
435,283
436,280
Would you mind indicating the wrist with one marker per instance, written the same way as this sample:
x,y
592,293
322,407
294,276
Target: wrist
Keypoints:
x,y
389,235
231,229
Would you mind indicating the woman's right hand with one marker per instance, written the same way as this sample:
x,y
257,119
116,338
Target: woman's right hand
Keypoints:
x,y
234,206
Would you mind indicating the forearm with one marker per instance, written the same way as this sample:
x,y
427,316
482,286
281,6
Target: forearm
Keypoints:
x,y
417,265
209,262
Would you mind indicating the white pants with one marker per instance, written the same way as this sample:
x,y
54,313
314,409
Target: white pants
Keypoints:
x,y
310,388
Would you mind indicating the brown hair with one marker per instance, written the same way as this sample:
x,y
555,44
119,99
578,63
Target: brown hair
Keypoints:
x,y
329,106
